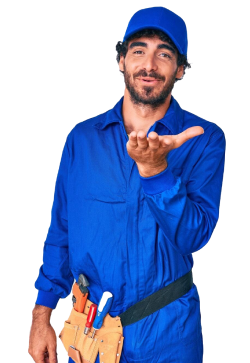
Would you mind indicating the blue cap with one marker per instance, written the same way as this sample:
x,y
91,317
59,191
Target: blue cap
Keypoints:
x,y
162,19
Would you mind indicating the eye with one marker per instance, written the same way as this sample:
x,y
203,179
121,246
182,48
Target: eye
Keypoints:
x,y
136,52
166,55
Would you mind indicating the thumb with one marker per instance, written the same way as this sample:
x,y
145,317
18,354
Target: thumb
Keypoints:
x,y
187,134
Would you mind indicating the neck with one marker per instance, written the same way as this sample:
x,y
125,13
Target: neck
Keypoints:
x,y
141,117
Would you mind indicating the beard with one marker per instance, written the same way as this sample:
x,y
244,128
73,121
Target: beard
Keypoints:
x,y
147,97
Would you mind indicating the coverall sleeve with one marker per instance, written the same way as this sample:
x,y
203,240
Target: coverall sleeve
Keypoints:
x,y
55,278
188,213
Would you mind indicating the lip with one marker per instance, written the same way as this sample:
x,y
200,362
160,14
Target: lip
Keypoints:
x,y
148,80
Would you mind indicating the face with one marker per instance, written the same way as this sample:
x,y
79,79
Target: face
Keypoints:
x,y
150,69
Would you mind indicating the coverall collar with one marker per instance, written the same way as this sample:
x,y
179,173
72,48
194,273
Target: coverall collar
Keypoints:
x,y
173,119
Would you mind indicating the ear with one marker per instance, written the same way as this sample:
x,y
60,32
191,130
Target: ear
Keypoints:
x,y
121,63
180,72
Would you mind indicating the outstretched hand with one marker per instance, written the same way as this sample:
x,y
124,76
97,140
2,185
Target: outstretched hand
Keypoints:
x,y
150,153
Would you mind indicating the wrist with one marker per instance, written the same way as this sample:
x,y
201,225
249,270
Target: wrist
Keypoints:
x,y
41,313
151,171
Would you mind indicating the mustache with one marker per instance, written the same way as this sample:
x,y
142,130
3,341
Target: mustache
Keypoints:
x,y
155,75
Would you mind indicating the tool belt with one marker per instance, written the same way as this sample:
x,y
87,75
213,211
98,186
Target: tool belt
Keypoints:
x,y
108,340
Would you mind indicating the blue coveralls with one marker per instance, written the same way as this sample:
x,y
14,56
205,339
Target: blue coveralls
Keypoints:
x,y
132,235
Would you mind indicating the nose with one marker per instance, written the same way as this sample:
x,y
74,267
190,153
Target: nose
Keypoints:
x,y
149,63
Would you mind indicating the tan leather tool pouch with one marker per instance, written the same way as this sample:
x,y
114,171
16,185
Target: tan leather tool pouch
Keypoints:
x,y
108,340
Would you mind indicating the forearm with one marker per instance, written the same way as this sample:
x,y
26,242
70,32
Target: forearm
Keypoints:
x,y
187,212
185,223
41,313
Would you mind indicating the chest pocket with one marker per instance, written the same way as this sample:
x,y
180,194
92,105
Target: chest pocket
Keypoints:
x,y
107,195
106,189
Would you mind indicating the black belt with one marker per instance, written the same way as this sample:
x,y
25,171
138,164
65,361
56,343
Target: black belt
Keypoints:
x,y
157,300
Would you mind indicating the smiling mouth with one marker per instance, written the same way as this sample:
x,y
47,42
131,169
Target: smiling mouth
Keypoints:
x,y
148,80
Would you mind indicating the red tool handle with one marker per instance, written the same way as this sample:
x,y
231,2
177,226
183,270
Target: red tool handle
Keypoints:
x,y
91,315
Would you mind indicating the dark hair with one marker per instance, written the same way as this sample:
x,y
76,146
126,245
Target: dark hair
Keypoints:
x,y
122,47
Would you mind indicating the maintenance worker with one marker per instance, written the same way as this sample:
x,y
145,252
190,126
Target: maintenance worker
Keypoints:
x,y
137,192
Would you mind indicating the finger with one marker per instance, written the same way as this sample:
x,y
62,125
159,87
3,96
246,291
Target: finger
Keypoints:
x,y
38,356
49,359
153,140
142,140
52,354
167,142
46,357
187,135
133,140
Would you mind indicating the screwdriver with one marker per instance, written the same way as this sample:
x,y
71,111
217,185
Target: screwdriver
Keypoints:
x,y
102,310
90,318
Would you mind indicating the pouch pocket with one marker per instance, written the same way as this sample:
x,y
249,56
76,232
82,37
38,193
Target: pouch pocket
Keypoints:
x,y
110,347
68,334
88,347
73,335
108,340
74,354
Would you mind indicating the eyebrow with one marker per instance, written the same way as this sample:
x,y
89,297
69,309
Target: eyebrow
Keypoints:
x,y
160,46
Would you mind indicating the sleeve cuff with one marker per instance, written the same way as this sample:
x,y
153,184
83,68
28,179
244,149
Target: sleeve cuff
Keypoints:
x,y
48,299
159,182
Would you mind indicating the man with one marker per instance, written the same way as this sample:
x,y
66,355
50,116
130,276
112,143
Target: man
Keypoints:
x,y
129,211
